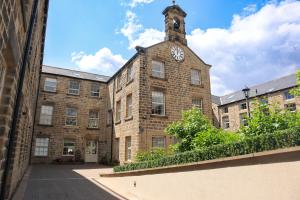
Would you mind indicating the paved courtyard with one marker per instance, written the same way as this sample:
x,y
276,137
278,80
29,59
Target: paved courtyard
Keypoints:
x,y
63,182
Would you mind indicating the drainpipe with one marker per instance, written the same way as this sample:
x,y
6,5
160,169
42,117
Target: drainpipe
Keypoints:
x,y
17,105
39,79
112,123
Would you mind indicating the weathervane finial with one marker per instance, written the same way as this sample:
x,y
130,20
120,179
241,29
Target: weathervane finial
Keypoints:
x,y
174,2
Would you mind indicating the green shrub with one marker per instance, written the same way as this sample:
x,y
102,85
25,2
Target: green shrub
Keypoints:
x,y
195,131
152,155
264,142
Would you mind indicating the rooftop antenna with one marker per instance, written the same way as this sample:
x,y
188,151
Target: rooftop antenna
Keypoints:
x,y
174,2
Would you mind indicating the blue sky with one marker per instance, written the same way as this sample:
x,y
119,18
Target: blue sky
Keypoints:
x,y
246,41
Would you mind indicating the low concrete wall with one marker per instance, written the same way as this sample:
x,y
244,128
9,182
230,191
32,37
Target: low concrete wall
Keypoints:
x,y
270,175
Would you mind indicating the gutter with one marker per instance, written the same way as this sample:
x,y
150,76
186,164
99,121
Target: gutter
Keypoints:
x,y
112,122
17,104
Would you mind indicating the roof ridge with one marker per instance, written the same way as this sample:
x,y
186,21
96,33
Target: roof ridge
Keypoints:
x,y
75,70
274,80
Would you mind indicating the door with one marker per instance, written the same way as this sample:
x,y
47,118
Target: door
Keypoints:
x,y
91,151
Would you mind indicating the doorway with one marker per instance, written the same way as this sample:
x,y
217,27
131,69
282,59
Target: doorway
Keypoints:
x,y
91,151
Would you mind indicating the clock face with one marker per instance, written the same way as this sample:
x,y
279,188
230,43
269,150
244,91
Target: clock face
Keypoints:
x,y
177,53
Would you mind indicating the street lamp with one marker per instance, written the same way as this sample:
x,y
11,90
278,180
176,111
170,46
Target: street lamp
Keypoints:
x,y
246,91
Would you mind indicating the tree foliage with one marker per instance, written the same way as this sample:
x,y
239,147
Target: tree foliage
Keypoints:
x,y
296,91
268,119
195,131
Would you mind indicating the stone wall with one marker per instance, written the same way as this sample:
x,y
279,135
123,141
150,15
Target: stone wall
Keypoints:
x,y
15,17
58,130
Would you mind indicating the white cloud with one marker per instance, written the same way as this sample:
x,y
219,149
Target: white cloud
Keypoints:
x,y
255,48
103,62
134,3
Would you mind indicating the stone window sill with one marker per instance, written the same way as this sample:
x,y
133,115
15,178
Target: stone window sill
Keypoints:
x,y
128,118
118,90
70,126
41,156
90,128
129,82
51,92
199,86
73,95
45,125
159,116
158,78
118,122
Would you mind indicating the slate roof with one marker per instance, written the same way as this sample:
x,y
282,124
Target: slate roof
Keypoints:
x,y
258,90
74,73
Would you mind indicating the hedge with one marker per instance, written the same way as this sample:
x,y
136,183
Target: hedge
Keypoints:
x,y
264,142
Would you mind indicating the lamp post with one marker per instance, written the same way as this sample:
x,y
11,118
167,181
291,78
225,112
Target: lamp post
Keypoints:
x,y
246,91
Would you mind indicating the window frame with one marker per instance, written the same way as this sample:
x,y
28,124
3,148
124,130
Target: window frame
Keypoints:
x,y
243,107
130,73
129,106
200,106
153,104
243,119
94,86
41,145
68,146
128,148
46,116
161,73
92,120
118,110
158,137
118,82
50,80
226,109
288,96
71,91
226,123
197,81
71,116
288,107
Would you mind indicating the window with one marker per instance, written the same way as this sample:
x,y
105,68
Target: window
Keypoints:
x,y
69,147
118,111
109,120
195,77
128,148
74,87
41,146
158,69
225,109
243,106
158,142
243,119
264,101
46,115
198,103
130,73
119,81
71,117
129,106
95,90
50,85
93,119
291,107
288,96
226,123
158,103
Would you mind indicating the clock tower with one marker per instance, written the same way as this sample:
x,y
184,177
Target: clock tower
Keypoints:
x,y
174,24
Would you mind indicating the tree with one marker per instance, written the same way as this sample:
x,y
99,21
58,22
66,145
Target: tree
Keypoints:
x,y
268,119
296,91
195,131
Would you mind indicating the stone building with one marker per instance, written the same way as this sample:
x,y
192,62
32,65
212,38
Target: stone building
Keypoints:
x,y
22,33
231,110
133,108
